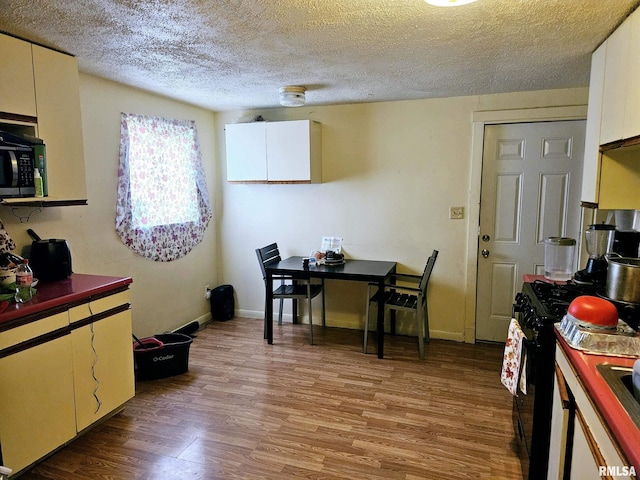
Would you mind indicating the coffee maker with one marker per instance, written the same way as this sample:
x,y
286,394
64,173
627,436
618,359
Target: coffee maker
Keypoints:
x,y
626,242
599,241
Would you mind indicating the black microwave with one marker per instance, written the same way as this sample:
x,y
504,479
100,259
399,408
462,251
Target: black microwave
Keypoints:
x,y
19,157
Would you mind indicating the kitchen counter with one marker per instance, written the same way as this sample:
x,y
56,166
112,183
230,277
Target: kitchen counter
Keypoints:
x,y
61,294
66,357
615,417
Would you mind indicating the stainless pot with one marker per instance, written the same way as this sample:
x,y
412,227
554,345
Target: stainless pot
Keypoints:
x,y
623,279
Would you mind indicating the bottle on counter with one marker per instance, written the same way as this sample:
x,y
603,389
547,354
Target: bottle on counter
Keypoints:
x,y
5,472
37,181
24,279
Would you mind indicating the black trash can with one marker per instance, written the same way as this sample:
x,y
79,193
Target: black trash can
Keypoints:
x,y
222,303
161,356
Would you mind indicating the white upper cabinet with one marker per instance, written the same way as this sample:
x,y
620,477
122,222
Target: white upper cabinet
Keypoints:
x,y
621,95
246,152
293,151
17,94
274,152
40,90
615,84
60,122
611,175
632,108
591,165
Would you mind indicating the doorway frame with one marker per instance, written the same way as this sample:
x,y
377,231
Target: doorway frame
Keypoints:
x,y
480,120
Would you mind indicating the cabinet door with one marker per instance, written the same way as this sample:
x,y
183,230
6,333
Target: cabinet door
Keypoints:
x,y
288,150
632,108
586,459
619,179
36,405
591,165
17,94
246,152
615,84
293,151
60,123
559,428
103,367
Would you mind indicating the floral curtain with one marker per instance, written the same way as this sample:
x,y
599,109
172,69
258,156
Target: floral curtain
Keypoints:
x,y
163,206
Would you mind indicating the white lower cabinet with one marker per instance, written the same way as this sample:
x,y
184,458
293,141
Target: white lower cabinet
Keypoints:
x,y
560,428
102,367
586,458
36,404
62,373
592,453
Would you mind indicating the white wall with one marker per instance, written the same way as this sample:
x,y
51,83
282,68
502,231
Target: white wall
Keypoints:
x,y
164,295
390,173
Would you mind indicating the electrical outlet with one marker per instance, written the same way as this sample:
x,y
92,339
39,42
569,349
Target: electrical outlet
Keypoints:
x,y
456,213
207,292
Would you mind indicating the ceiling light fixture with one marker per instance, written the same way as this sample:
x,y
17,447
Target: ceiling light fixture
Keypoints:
x,y
292,96
448,3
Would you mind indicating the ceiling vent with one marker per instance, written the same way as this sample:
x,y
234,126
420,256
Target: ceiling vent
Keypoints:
x,y
292,96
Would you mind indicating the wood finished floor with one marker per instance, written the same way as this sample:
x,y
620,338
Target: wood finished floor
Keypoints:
x,y
247,410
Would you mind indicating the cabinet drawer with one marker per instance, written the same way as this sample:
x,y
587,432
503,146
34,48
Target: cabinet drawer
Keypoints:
x,y
33,330
94,307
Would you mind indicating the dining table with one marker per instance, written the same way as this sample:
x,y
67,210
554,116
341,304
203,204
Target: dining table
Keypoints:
x,y
371,271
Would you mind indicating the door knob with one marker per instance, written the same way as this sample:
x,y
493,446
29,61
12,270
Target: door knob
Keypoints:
x,y
484,253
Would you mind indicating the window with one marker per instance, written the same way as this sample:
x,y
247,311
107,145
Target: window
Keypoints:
x,y
163,206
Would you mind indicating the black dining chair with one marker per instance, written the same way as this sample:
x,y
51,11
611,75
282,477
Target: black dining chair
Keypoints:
x,y
289,288
410,298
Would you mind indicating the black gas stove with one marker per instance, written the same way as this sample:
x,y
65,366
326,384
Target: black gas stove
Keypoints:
x,y
537,307
553,299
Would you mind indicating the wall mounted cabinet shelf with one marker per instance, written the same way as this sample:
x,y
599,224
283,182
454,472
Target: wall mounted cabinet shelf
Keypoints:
x,y
611,173
40,202
40,95
274,152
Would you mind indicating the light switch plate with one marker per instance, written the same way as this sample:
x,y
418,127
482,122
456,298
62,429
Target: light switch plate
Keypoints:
x,y
456,213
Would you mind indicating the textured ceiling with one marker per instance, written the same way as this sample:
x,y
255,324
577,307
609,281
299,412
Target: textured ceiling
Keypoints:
x,y
235,54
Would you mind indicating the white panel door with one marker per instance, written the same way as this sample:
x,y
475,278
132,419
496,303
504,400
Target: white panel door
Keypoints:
x,y
531,184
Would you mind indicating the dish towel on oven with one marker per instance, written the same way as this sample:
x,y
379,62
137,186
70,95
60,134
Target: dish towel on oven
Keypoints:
x,y
512,360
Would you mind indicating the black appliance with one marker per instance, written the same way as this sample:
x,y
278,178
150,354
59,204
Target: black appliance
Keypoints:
x,y
537,307
50,259
599,242
20,155
626,243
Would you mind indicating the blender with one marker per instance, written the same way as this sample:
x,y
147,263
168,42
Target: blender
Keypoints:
x,y
599,242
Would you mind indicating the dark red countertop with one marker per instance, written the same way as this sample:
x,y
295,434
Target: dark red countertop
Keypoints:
x,y
622,427
55,294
